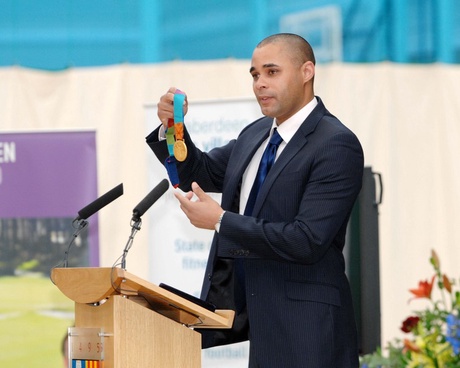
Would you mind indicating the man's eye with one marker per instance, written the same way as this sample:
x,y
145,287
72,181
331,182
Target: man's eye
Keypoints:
x,y
255,76
272,71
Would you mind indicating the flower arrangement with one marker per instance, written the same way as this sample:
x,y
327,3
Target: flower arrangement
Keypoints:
x,y
434,333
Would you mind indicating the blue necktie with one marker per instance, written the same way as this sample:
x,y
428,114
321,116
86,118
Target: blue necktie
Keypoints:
x,y
268,158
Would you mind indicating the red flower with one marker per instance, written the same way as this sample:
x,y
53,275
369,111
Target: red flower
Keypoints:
x,y
424,289
409,324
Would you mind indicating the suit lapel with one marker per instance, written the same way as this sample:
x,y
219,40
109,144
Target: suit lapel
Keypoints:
x,y
243,154
298,141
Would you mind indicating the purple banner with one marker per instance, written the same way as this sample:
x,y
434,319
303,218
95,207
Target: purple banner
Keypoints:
x,y
49,176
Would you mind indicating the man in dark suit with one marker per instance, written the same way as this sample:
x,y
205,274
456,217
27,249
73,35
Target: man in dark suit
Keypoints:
x,y
276,257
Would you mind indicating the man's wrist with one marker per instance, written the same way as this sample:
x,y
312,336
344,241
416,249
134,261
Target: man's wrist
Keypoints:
x,y
217,225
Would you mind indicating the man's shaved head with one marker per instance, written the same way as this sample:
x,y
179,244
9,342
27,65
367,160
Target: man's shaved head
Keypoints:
x,y
300,50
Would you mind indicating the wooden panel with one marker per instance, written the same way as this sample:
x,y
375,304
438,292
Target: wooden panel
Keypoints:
x,y
141,338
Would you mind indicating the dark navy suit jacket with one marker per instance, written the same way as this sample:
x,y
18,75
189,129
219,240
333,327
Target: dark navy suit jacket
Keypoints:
x,y
291,294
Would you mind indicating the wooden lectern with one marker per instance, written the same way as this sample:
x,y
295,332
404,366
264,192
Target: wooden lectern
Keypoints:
x,y
142,324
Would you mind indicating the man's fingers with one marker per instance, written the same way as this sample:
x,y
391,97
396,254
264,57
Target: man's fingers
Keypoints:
x,y
183,200
198,191
165,107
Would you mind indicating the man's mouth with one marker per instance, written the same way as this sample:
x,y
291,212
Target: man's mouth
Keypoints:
x,y
264,99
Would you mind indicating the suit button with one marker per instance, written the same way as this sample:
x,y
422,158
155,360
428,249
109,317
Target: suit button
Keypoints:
x,y
209,276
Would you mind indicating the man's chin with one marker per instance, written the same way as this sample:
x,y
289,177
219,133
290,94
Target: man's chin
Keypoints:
x,y
267,112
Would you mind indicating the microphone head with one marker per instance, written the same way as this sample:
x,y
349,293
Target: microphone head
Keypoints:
x,y
150,199
100,202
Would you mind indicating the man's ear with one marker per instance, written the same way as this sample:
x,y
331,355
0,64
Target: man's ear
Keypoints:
x,y
308,69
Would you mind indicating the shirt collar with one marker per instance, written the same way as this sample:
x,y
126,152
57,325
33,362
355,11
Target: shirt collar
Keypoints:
x,y
291,125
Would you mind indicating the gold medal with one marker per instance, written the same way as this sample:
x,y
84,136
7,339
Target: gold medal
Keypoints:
x,y
180,150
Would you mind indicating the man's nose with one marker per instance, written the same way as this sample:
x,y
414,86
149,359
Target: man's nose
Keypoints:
x,y
260,83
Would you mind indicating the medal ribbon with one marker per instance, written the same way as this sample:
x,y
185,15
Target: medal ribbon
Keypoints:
x,y
175,132
179,99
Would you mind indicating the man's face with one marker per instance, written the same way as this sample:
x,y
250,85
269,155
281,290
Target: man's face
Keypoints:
x,y
278,82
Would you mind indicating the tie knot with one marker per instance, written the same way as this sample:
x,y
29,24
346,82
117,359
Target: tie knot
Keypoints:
x,y
275,138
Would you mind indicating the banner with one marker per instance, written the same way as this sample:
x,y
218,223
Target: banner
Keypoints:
x,y
178,250
45,179
49,176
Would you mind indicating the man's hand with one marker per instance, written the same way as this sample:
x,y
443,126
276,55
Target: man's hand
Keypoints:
x,y
203,213
166,106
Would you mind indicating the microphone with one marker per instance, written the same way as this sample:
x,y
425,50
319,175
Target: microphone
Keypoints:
x,y
150,199
99,203
88,211
138,211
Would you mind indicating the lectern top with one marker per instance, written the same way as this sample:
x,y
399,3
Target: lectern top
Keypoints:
x,y
94,285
